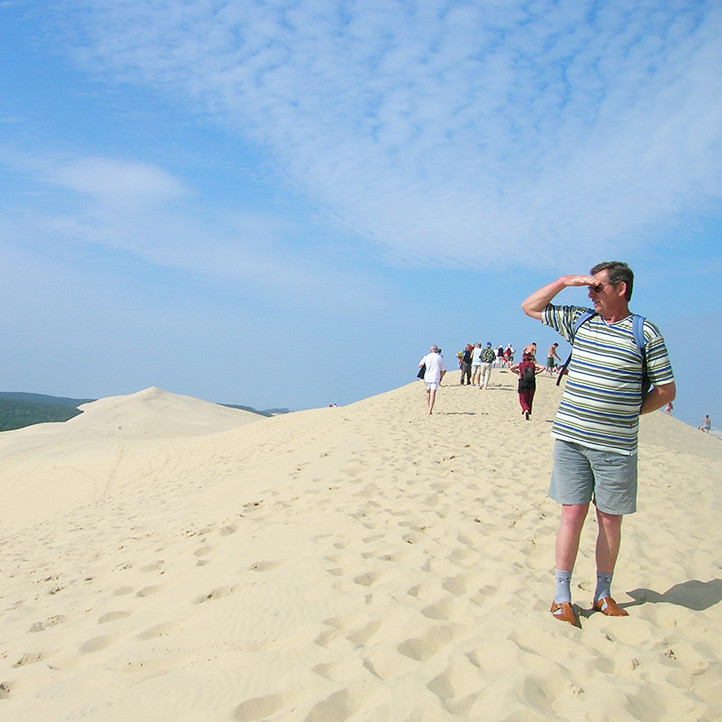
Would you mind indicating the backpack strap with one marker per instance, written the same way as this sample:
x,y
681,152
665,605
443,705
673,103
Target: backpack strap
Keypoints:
x,y
638,328
582,319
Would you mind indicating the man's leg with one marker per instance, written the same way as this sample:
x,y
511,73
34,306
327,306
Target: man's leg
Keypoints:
x,y
609,538
486,376
432,398
567,545
570,530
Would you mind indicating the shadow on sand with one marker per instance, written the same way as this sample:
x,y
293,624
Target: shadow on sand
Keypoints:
x,y
693,595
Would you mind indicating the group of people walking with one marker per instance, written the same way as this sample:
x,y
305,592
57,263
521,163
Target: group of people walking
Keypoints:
x,y
475,364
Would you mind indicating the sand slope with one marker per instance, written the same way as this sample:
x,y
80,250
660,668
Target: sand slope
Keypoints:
x,y
111,444
359,563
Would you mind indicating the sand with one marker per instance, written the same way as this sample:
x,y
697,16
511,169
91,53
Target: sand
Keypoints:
x,y
167,559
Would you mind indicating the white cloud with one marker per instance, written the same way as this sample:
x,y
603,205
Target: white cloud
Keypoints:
x,y
118,182
455,133
141,209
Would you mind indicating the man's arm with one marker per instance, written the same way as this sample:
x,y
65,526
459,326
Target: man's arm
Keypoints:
x,y
658,397
539,300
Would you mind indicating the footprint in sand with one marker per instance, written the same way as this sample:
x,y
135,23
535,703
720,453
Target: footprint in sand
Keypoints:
x,y
448,609
162,630
340,671
385,662
147,591
339,625
112,616
424,648
341,705
370,631
260,708
264,566
155,665
460,678
370,578
49,622
463,583
96,644
154,566
203,551
217,593
30,658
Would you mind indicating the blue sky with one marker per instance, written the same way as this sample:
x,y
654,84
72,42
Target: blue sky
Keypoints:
x,y
284,203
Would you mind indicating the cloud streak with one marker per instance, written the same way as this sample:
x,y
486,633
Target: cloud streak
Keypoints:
x,y
452,133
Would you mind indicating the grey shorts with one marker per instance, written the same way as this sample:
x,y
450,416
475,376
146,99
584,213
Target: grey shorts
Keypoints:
x,y
581,475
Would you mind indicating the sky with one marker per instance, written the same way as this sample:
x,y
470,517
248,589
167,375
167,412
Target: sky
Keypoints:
x,y
283,203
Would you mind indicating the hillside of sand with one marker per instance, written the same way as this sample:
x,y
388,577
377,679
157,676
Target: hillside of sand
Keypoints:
x,y
111,444
366,562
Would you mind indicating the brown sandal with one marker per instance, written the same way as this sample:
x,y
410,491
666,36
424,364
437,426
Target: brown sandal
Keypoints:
x,y
564,612
608,606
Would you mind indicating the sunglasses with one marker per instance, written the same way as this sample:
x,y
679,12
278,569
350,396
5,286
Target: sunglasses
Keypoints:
x,y
600,286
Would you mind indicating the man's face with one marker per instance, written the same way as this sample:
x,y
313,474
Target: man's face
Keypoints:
x,y
607,299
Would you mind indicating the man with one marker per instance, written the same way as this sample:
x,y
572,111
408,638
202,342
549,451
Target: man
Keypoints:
x,y
487,357
552,357
595,452
465,364
435,370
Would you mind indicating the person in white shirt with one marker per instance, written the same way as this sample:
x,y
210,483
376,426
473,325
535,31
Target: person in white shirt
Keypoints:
x,y
435,370
476,366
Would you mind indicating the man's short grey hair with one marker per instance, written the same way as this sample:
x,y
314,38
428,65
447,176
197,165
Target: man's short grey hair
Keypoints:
x,y
435,349
617,272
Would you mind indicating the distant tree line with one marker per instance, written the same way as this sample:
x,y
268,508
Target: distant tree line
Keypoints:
x,y
266,412
18,414
19,409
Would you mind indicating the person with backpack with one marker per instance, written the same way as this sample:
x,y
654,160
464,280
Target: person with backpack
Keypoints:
x,y
596,427
527,371
486,357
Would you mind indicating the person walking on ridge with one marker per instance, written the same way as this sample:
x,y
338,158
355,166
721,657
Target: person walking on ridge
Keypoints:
x,y
527,371
487,357
552,357
435,371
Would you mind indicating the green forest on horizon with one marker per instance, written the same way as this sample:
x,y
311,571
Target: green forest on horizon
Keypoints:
x,y
19,409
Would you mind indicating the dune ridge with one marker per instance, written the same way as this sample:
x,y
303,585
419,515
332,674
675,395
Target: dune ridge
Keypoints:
x,y
355,563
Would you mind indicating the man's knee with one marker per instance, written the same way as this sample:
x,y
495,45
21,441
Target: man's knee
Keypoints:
x,y
574,514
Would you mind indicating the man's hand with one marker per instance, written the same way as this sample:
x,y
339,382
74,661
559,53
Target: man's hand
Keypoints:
x,y
658,397
539,300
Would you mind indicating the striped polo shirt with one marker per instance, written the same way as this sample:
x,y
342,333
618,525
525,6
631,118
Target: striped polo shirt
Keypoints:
x,y
602,396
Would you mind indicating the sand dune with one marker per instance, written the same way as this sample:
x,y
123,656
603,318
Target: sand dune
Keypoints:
x,y
356,563
116,441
